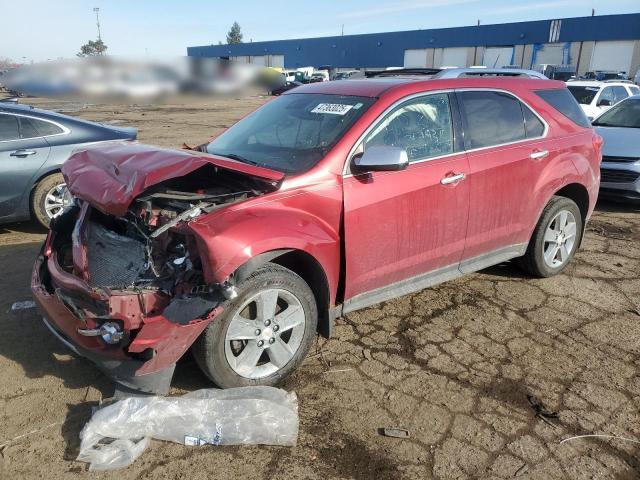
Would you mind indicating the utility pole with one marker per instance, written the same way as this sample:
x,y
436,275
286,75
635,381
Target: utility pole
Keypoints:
x,y
343,29
97,10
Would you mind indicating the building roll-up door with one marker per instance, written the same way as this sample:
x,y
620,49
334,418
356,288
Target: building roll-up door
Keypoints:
x,y
259,60
277,61
450,57
497,57
415,58
551,54
615,56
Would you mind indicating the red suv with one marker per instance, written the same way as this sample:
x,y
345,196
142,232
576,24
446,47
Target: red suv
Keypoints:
x,y
330,198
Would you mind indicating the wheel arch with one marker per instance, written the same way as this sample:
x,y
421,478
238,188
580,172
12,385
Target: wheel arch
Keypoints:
x,y
579,194
304,265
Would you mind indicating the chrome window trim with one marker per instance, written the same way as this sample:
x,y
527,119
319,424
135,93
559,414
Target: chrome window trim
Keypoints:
x,y
345,173
65,130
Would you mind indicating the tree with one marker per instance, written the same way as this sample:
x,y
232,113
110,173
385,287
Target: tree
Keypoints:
x,y
92,48
234,35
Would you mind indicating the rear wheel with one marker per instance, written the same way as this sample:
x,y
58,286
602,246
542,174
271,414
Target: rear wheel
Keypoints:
x,y
555,238
49,198
263,334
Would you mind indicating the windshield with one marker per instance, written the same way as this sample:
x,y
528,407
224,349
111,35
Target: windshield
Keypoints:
x,y
583,95
625,114
291,133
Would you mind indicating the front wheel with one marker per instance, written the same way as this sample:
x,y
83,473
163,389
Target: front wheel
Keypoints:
x,y
263,334
555,238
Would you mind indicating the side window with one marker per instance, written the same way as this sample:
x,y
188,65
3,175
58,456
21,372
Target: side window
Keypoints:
x,y
27,130
9,128
619,93
565,103
422,126
532,125
634,90
606,94
492,118
45,128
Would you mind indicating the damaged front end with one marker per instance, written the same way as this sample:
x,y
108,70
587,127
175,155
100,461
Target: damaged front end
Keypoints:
x,y
128,291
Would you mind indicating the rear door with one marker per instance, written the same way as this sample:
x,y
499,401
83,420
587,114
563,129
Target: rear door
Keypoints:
x,y
22,153
399,225
506,150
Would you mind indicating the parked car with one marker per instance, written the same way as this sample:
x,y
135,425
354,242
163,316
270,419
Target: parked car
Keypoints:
x,y
319,76
288,85
344,75
34,144
620,169
596,97
330,198
603,75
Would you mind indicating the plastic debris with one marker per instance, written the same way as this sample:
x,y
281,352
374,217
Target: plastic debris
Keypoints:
x,y
23,305
118,434
394,432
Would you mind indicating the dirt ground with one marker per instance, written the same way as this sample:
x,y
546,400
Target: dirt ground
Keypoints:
x,y
457,365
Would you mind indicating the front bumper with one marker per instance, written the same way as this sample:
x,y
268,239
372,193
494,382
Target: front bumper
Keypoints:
x,y
620,180
144,361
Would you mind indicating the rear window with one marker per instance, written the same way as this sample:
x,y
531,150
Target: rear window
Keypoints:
x,y
45,128
583,95
562,100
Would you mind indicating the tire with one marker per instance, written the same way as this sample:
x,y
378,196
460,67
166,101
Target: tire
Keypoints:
x,y
215,351
534,261
39,197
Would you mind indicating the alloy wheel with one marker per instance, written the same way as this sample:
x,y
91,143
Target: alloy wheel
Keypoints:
x,y
56,199
559,239
265,333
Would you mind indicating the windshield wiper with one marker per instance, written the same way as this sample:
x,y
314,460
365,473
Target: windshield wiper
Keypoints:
x,y
240,158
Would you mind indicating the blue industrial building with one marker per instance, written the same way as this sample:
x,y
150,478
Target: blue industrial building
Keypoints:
x,y
608,42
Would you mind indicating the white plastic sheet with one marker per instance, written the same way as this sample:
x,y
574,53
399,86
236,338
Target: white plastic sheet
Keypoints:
x,y
118,434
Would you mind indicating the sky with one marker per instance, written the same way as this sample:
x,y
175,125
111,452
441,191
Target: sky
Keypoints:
x,y
36,30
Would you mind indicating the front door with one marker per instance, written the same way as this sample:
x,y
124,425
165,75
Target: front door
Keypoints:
x,y
400,225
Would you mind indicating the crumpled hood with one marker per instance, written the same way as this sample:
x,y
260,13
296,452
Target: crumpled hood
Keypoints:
x,y
111,175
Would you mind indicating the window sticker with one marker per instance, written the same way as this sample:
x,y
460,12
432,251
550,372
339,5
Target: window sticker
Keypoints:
x,y
332,108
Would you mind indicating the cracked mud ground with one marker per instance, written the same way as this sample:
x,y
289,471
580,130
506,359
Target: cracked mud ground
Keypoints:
x,y
455,365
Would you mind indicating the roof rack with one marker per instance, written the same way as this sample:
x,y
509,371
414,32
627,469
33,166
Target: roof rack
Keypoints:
x,y
616,80
442,73
394,72
489,72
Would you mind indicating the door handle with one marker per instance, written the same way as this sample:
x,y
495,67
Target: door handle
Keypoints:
x,y
452,179
538,154
22,153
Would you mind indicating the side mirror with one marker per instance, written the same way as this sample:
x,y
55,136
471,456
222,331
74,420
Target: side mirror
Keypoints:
x,y
381,158
604,103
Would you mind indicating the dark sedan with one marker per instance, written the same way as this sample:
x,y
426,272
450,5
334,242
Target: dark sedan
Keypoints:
x,y
34,144
288,85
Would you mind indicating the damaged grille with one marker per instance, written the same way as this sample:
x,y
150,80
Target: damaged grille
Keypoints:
x,y
115,261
